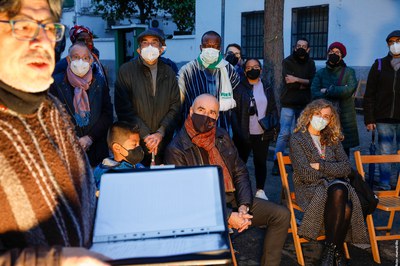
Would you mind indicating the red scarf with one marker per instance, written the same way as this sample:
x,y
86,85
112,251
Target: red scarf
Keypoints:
x,y
207,141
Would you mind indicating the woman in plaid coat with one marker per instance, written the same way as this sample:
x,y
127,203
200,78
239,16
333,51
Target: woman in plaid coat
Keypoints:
x,y
320,180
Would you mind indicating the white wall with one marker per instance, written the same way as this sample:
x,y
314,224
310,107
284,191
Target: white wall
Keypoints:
x,y
361,25
182,48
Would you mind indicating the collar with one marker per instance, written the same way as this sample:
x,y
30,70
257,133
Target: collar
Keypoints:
x,y
187,142
19,101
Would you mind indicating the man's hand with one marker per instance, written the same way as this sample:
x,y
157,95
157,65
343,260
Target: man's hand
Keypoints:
x,y
240,221
152,141
85,142
291,79
315,166
371,127
81,257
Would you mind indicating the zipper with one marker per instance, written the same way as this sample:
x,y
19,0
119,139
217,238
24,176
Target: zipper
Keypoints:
x,y
394,94
199,155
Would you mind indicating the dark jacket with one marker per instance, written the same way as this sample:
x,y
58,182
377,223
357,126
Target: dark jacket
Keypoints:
x,y
342,96
240,115
296,95
101,113
135,103
382,94
182,152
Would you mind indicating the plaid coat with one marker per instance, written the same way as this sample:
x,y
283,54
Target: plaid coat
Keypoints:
x,y
311,186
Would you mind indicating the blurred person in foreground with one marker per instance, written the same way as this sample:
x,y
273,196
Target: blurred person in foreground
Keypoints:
x,y
47,191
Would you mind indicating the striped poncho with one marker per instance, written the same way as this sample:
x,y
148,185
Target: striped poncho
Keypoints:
x,y
46,186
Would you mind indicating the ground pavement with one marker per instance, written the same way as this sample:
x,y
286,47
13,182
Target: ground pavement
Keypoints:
x,y
248,245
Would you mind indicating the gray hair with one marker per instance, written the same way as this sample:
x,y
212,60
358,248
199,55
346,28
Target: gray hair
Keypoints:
x,y
12,7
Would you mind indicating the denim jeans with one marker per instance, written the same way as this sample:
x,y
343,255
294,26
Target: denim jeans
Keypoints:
x,y
387,133
287,122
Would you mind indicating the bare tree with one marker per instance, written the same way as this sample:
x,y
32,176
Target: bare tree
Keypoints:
x,y
273,43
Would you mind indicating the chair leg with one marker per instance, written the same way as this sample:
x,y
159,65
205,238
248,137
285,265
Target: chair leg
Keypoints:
x,y
372,239
234,262
390,223
346,251
299,251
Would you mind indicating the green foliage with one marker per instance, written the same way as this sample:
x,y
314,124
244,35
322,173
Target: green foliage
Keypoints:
x,y
182,11
112,10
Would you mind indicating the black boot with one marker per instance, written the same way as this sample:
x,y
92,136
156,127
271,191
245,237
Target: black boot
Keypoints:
x,y
340,258
328,255
275,168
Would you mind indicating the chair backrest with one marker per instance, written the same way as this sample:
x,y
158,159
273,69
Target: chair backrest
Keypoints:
x,y
377,159
282,161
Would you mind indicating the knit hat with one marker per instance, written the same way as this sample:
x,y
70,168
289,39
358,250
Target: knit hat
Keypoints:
x,y
151,32
339,46
76,29
395,33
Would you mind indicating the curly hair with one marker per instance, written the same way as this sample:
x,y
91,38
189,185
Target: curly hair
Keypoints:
x,y
332,133
12,7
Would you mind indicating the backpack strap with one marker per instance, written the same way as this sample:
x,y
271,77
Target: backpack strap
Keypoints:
x,y
379,64
341,76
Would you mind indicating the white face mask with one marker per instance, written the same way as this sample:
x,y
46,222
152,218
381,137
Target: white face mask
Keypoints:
x,y
150,53
79,67
395,48
209,55
318,123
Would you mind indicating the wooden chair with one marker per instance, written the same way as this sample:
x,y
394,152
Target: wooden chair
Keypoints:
x,y
389,201
290,198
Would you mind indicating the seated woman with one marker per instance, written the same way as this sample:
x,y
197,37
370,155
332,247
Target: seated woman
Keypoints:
x,y
320,170
254,101
87,99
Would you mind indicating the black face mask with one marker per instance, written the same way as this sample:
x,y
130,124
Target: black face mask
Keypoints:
x,y
135,155
232,59
203,123
333,59
253,73
301,52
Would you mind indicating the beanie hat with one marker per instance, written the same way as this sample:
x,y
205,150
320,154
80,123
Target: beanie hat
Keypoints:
x,y
75,30
395,33
339,46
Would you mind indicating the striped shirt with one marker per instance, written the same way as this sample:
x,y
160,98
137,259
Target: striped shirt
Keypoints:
x,y
194,80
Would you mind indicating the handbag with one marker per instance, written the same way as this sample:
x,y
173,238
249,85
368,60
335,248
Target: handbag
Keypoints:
x,y
269,122
365,194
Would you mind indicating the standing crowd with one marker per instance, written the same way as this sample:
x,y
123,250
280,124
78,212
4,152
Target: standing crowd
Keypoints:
x,y
58,134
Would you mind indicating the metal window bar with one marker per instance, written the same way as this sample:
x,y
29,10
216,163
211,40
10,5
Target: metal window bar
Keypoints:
x,y
253,34
311,23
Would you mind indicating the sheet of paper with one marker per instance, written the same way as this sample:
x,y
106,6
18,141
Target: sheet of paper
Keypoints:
x,y
159,203
161,247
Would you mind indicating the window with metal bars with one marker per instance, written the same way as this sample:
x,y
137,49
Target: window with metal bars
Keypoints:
x,y
253,34
312,22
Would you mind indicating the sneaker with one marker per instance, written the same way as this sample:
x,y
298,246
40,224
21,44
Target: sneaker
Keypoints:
x,y
275,168
261,194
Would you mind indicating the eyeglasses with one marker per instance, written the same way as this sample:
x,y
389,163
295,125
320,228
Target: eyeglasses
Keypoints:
x,y
390,42
76,57
28,30
152,43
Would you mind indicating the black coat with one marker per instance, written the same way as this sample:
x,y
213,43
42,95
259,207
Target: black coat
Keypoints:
x,y
382,94
240,115
182,152
101,112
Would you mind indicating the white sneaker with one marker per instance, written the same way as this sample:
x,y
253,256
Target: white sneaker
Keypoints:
x,y
261,194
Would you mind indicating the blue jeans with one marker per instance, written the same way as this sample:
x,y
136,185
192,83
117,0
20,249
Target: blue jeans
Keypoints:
x,y
387,133
287,122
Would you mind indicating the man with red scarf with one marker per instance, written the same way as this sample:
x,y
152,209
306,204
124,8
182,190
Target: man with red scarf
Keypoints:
x,y
200,142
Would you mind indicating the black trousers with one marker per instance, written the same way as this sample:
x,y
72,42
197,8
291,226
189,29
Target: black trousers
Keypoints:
x,y
259,146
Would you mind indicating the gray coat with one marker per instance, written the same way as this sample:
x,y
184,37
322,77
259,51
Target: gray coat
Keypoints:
x,y
311,186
